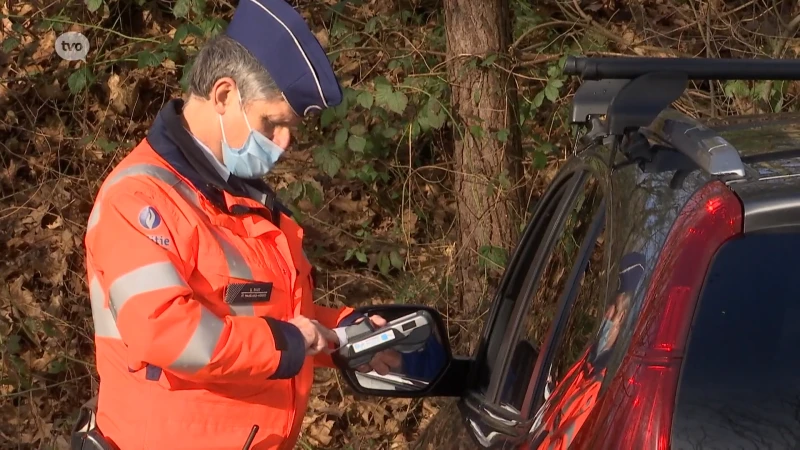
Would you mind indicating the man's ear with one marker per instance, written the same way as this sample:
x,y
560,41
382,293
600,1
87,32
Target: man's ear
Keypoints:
x,y
281,136
223,95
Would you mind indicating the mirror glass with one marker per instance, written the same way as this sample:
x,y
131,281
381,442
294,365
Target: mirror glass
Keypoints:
x,y
405,352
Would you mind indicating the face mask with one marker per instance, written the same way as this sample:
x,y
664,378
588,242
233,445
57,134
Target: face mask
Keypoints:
x,y
605,331
255,158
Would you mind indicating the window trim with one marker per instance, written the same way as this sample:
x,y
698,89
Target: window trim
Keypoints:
x,y
562,189
575,180
566,303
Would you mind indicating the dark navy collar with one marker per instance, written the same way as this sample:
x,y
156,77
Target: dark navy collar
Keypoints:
x,y
172,141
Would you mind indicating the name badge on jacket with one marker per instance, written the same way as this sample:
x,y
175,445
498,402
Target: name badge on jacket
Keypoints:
x,y
237,293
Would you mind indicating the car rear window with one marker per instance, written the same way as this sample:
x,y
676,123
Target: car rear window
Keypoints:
x,y
740,382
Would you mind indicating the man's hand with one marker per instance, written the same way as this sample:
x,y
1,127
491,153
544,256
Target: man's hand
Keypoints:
x,y
385,361
315,335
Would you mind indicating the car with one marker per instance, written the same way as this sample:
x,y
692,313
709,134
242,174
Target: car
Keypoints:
x,y
651,302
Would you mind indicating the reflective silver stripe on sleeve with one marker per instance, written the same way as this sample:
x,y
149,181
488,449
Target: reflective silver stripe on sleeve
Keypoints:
x,y
104,324
149,278
242,310
94,216
200,348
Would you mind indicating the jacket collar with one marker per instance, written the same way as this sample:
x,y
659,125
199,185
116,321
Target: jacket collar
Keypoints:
x,y
168,137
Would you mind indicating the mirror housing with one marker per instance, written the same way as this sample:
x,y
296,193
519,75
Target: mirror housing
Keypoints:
x,y
408,357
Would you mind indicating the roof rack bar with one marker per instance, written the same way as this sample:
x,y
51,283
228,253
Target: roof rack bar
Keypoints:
x,y
694,68
701,144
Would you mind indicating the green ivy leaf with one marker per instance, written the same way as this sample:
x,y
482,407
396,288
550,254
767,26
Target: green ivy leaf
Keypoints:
x,y
538,99
185,30
502,135
389,132
387,98
341,138
326,118
358,129
327,161
546,148
361,256
184,81
383,264
476,131
93,5
10,44
293,191
365,99
493,258
13,344
150,59
57,366
80,79
396,260
357,143
539,160
438,118
489,60
181,8
214,26
199,7
381,80
551,92
106,145
313,194
371,25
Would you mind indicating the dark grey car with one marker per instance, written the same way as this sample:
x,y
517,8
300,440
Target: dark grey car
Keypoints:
x,y
653,300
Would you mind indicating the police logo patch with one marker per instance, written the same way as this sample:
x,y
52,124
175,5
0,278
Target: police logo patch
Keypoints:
x,y
149,218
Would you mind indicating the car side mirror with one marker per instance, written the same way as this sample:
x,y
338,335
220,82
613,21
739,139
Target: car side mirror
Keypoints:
x,y
409,356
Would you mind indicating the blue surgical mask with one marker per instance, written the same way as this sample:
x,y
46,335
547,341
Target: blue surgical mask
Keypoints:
x,y
255,158
605,331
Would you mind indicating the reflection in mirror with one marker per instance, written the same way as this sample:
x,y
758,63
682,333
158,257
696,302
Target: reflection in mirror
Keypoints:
x,y
405,354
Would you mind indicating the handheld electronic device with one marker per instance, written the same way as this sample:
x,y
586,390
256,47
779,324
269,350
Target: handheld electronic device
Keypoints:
x,y
405,334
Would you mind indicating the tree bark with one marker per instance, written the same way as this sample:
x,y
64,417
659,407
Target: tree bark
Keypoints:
x,y
487,168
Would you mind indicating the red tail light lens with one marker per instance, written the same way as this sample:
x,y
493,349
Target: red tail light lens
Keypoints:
x,y
636,412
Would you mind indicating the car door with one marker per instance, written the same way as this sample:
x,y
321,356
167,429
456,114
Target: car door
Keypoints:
x,y
495,400
564,241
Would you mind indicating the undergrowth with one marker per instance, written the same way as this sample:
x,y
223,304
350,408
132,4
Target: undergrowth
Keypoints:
x,y
371,179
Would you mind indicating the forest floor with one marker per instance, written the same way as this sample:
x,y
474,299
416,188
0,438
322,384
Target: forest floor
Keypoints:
x,y
372,178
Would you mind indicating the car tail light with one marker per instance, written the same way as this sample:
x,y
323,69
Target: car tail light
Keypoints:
x,y
636,411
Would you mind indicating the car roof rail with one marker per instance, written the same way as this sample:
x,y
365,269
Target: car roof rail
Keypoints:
x,y
623,94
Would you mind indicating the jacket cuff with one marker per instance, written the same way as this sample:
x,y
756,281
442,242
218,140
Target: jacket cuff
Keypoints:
x,y
292,346
350,319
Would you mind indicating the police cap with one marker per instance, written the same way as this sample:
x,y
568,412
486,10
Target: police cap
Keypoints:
x,y
631,271
282,42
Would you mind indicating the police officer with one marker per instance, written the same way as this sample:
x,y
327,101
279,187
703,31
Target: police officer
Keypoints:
x,y
206,333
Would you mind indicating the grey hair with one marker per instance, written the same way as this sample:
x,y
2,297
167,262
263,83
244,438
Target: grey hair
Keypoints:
x,y
220,57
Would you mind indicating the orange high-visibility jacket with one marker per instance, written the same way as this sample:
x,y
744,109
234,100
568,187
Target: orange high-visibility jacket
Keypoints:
x,y
572,406
190,306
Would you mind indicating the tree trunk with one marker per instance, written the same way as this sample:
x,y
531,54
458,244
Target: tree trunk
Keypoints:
x,y
486,148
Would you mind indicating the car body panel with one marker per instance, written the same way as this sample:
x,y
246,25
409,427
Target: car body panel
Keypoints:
x,y
641,209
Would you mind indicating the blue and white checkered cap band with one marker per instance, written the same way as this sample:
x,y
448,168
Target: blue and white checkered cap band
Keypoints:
x,y
276,34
